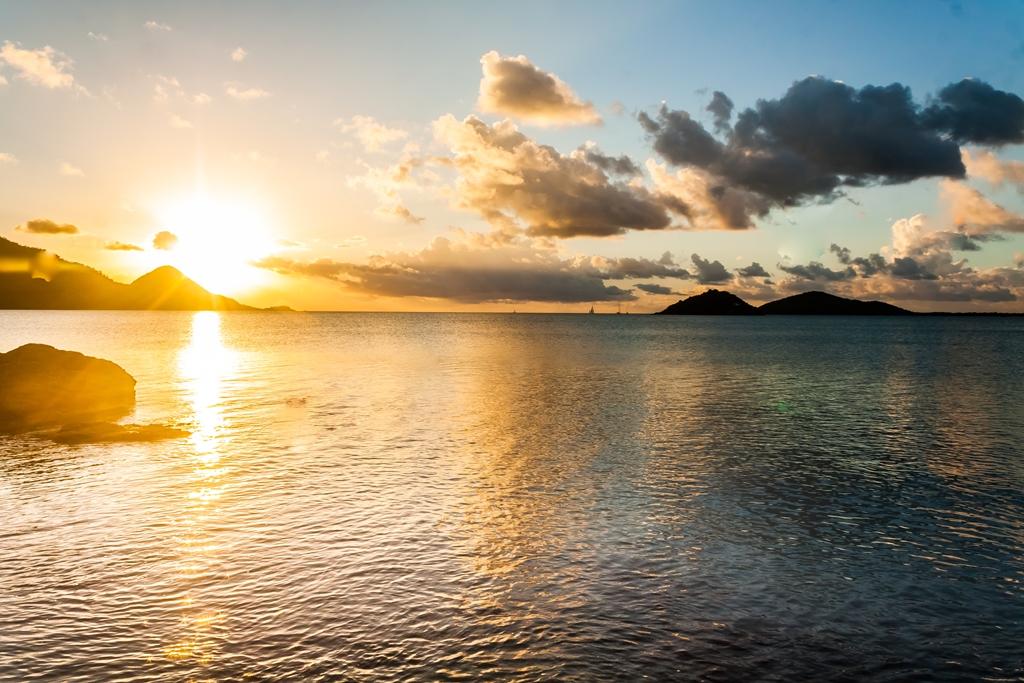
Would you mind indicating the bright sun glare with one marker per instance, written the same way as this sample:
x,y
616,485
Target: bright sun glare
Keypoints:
x,y
216,241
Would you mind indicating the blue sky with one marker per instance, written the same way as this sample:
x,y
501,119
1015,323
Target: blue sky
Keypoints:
x,y
408,64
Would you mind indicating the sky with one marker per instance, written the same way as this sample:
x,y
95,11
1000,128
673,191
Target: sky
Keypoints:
x,y
537,156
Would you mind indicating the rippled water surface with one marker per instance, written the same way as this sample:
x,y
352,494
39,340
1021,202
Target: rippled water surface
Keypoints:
x,y
429,497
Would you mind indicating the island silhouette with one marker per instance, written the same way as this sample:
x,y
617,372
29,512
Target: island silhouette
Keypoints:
x,y
720,302
32,278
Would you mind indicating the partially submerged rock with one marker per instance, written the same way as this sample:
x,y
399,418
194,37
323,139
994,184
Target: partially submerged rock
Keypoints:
x,y
111,432
41,386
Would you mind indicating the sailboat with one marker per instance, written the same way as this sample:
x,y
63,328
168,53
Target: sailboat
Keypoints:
x,y
591,311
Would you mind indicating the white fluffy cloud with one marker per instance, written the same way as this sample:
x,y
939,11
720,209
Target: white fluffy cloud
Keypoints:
x,y
242,93
70,170
46,66
371,133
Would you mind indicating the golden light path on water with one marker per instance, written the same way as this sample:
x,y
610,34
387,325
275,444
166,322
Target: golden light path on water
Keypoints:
x,y
203,366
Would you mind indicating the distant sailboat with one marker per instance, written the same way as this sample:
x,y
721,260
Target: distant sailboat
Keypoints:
x,y
591,312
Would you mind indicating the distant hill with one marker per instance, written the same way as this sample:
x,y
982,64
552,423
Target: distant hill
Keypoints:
x,y
717,302
31,278
711,302
823,303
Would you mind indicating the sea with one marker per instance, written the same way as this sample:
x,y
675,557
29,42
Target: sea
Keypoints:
x,y
434,497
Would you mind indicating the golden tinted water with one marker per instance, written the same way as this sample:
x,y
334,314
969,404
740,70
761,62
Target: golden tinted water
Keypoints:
x,y
423,497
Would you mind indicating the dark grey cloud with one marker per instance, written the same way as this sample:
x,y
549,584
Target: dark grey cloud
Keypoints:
x,y
628,267
44,226
973,111
866,266
755,269
710,272
484,270
822,136
907,268
818,272
655,289
721,110
620,165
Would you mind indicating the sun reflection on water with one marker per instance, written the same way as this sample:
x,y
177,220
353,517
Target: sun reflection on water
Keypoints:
x,y
203,368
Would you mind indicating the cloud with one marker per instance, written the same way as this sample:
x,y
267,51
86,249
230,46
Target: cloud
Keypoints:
x,y
122,246
46,67
655,289
70,170
201,98
705,201
755,269
975,214
8,158
985,165
178,122
475,268
721,108
98,37
156,26
922,261
822,136
710,272
239,54
240,92
818,272
165,240
164,87
973,111
371,133
516,183
513,86
44,226
621,165
399,211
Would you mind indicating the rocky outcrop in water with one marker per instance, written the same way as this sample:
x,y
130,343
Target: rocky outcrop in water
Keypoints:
x,y
48,387
43,389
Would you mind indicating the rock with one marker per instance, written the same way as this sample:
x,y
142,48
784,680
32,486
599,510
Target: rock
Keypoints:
x,y
41,386
111,432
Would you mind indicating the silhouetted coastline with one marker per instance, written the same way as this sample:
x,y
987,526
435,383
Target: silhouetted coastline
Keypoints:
x,y
34,279
719,302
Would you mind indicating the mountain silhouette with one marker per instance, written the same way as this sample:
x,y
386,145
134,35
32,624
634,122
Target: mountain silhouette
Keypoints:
x,y
711,302
823,303
718,302
32,278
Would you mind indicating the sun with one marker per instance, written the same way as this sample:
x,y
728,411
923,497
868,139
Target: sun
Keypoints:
x,y
217,240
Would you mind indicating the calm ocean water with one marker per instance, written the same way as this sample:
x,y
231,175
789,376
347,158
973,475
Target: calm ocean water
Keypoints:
x,y
432,497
